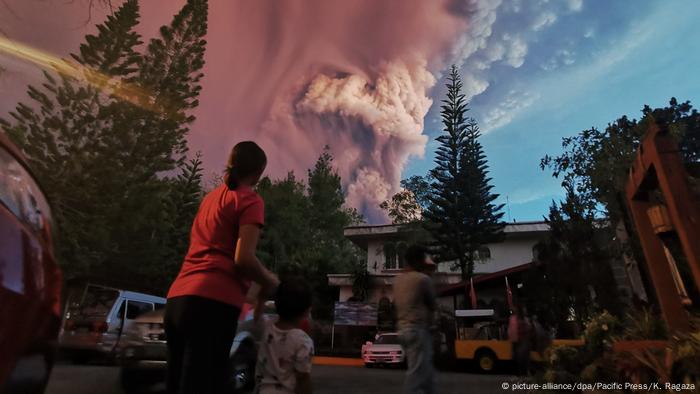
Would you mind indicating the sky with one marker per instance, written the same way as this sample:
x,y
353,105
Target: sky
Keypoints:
x,y
576,68
366,78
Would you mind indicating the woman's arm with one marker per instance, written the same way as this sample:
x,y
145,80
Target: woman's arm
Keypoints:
x,y
247,262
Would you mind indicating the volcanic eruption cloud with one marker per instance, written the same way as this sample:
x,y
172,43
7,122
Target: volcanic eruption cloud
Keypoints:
x,y
295,76
355,75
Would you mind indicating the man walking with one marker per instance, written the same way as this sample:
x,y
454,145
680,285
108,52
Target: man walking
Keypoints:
x,y
414,297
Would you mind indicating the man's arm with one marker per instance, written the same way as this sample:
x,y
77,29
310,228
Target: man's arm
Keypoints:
x,y
303,383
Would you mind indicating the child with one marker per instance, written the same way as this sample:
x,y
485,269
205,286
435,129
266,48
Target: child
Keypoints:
x,y
284,358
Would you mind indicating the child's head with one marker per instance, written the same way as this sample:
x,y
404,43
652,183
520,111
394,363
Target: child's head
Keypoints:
x,y
293,299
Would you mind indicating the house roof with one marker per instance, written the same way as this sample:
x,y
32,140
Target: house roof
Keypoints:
x,y
361,234
461,288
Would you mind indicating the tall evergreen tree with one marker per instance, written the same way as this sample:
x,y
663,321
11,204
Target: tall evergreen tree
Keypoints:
x,y
185,194
62,133
149,140
103,142
482,217
461,215
327,198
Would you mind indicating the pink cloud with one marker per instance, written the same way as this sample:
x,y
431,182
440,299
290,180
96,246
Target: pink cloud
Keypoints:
x,y
295,76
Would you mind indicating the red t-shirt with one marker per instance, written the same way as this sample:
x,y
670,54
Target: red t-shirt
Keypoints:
x,y
209,270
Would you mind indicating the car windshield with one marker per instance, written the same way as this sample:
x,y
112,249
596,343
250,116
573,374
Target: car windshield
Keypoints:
x,y
387,340
94,302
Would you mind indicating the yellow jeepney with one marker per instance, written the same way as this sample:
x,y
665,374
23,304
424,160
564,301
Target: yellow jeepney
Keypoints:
x,y
483,339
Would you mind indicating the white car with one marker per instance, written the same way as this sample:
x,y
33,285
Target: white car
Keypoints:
x,y
386,350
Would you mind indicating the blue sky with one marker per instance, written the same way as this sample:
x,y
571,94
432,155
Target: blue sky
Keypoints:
x,y
548,69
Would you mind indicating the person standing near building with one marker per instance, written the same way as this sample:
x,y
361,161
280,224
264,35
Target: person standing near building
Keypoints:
x,y
414,297
519,334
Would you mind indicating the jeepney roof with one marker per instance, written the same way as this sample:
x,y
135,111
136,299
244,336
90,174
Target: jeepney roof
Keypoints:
x,y
474,313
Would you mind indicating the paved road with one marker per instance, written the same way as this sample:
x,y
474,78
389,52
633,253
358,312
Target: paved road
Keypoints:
x,y
71,379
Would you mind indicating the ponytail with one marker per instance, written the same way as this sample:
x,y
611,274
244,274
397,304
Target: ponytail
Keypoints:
x,y
232,178
247,159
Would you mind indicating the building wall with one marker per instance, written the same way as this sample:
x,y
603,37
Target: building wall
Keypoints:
x,y
515,250
345,293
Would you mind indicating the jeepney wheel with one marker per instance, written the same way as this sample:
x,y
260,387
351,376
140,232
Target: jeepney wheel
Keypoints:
x,y
485,361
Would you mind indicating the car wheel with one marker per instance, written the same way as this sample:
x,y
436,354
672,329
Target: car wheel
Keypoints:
x,y
30,375
242,369
369,365
485,361
134,381
79,358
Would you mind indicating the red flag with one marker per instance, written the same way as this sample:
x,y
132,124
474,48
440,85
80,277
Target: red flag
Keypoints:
x,y
509,296
472,293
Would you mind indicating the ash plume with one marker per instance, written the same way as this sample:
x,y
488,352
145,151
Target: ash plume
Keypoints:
x,y
353,75
297,75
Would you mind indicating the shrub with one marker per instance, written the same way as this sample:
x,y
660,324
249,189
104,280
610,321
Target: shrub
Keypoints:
x,y
599,333
644,325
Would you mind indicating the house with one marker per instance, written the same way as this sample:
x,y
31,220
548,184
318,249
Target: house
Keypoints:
x,y
384,246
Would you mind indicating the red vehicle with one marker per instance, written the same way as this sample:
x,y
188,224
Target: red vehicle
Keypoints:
x,y
30,281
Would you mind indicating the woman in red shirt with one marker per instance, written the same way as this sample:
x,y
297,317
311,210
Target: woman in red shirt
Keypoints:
x,y
205,299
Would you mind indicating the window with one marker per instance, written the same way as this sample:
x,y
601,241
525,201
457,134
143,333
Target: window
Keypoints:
x,y
21,194
137,308
394,255
390,256
120,313
401,254
484,253
95,302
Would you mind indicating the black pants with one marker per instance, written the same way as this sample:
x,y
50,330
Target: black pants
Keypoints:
x,y
200,333
521,355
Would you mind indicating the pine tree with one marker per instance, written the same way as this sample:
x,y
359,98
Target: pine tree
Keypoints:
x,y
170,75
185,194
328,250
102,144
327,198
150,140
62,133
482,218
461,216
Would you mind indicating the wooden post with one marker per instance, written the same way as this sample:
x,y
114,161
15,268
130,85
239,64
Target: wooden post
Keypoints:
x,y
667,295
682,207
658,165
